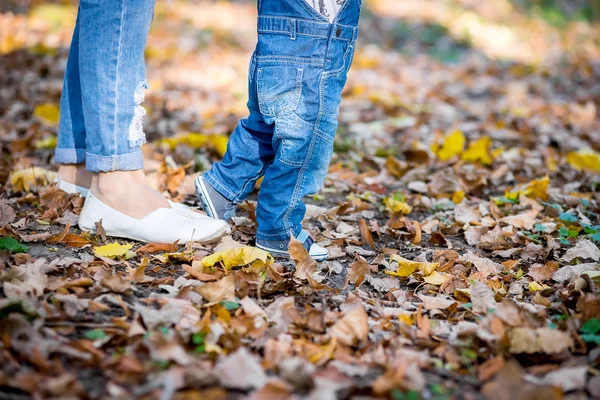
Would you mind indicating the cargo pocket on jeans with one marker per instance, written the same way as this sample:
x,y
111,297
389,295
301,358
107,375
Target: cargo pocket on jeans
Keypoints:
x,y
279,89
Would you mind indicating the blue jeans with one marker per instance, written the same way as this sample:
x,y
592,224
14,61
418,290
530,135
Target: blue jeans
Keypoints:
x,y
100,111
296,77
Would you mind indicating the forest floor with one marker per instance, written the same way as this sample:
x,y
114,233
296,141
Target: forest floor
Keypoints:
x,y
461,212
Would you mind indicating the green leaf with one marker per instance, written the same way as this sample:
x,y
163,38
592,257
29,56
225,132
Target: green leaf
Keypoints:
x,y
540,228
568,217
230,305
96,334
588,338
198,338
164,330
563,231
592,326
12,245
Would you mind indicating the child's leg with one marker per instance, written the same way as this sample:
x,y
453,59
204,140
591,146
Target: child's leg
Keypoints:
x,y
300,76
249,152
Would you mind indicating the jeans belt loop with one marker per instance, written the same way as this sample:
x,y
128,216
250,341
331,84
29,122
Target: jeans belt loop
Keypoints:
x,y
294,29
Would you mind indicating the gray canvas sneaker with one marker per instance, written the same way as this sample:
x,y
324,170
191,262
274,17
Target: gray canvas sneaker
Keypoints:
x,y
214,203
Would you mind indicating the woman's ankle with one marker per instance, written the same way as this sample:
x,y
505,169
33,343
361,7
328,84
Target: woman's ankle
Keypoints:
x,y
75,174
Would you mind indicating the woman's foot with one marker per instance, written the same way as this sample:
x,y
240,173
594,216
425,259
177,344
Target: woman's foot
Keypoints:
x,y
130,208
128,192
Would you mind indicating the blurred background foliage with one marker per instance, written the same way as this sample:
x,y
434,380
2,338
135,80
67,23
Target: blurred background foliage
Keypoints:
x,y
528,31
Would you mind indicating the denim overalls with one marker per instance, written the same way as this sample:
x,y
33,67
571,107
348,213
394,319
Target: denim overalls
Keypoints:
x,y
296,77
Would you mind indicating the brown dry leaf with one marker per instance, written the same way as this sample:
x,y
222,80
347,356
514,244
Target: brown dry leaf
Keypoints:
x,y
510,385
152,248
524,220
540,340
541,273
7,214
438,303
365,234
240,370
223,289
352,327
584,250
482,298
357,271
116,283
485,266
305,264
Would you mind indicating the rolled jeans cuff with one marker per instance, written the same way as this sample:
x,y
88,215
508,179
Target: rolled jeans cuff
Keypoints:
x,y
69,156
121,162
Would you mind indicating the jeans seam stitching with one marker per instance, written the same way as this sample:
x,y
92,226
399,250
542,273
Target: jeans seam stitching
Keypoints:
x,y
115,117
215,182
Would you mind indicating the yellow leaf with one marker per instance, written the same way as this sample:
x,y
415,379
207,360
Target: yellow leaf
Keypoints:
x,y
48,113
458,196
409,267
406,318
48,143
25,179
435,278
397,206
539,187
240,257
584,159
453,145
219,142
479,151
113,250
198,141
535,287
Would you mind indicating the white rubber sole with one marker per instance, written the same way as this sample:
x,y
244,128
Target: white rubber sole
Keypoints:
x,y
279,253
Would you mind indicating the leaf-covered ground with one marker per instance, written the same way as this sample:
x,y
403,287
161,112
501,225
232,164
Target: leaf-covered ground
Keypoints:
x,y
461,212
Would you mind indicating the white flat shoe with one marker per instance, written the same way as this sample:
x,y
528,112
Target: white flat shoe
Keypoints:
x,y
72,188
164,225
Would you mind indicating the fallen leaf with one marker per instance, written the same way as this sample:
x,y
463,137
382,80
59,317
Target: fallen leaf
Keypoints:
x,y
408,267
252,257
113,250
584,250
365,234
540,340
48,113
7,214
584,159
29,178
479,151
240,370
305,264
352,327
452,146
357,271
223,289
152,248
482,298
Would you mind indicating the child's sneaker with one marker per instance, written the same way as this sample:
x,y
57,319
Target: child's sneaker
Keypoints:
x,y
214,203
279,248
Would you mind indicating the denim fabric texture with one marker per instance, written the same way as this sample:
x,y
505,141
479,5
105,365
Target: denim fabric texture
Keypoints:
x,y
100,111
296,77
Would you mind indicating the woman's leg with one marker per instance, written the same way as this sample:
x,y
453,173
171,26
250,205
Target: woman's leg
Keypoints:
x,y
112,39
70,151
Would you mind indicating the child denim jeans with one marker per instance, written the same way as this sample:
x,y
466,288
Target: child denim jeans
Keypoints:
x,y
296,77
